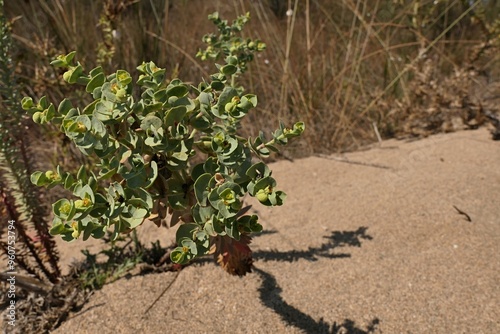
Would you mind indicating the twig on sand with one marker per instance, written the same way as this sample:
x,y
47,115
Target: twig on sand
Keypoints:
x,y
324,156
163,292
463,213
29,283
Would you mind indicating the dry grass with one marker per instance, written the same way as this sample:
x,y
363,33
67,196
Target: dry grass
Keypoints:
x,y
337,65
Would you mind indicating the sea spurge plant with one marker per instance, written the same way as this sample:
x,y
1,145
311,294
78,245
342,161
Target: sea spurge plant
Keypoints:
x,y
144,133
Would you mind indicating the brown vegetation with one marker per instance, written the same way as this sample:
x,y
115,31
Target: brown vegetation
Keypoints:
x,y
335,65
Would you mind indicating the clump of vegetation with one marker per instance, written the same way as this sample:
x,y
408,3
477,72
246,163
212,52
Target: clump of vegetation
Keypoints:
x,y
123,256
27,243
145,143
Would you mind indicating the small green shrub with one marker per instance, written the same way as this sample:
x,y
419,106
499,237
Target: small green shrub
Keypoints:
x,y
145,144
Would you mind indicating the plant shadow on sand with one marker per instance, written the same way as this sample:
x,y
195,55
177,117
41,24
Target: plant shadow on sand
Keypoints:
x,y
337,239
270,291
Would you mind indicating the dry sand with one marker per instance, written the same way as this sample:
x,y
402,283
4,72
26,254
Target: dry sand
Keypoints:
x,y
356,248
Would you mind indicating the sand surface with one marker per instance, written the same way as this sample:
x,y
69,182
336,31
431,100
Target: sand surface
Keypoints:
x,y
373,245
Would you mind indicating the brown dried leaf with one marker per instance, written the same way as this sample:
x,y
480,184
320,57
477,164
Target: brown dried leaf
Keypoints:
x,y
234,256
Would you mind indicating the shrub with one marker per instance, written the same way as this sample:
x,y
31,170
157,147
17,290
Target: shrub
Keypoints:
x,y
145,144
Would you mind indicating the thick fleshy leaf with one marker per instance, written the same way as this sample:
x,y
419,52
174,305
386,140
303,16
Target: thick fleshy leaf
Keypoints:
x,y
201,188
151,122
96,81
174,115
177,194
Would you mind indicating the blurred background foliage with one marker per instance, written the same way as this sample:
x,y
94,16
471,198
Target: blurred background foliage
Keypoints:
x,y
339,66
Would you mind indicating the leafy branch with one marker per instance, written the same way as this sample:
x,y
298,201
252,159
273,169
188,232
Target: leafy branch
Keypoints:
x,y
145,133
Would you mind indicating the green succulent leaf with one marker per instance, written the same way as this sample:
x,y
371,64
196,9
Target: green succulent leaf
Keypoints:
x,y
177,194
64,209
73,74
249,224
179,256
177,91
202,214
175,115
258,171
202,189
186,231
134,216
27,103
151,122
123,77
58,227
228,69
96,81
39,179
92,228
